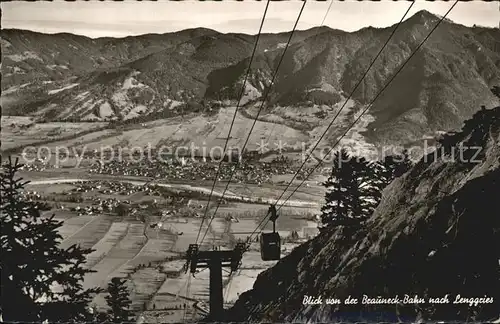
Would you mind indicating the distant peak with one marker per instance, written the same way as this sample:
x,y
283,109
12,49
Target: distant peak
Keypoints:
x,y
200,31
321,28
425,13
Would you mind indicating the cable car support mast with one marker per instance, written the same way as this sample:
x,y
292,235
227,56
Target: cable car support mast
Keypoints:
x,y
215,261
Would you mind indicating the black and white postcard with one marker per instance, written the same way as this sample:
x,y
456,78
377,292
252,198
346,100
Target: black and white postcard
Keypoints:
x,y
250,161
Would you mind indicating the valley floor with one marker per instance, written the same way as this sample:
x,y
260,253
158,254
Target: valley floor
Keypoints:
x,y
147,247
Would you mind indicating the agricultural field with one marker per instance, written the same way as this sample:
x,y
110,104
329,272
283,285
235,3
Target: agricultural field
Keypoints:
x,y
203,131
116,233
18,131
73,225
172,286
218,226
141,233
90,232
154,251
242,281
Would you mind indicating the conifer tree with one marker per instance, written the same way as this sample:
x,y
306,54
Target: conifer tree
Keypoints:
x,y
392,167
118,301
496,91
40,281
350,196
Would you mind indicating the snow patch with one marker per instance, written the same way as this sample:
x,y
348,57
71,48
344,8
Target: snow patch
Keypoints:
x,y
5,43
171,103
355,143
18,70
81,110
54,66
120,99
105,110
51,92
323,86
250,93
91,117
44,110
136,111
25,56
131,82
281,45
15,88
82,95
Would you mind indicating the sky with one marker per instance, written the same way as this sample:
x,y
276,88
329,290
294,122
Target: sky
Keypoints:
x,y
120,19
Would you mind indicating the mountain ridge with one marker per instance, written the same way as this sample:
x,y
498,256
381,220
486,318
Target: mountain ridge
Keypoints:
x,y
53,77
421,14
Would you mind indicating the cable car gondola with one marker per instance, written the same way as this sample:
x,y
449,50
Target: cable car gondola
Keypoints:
x,y
270,243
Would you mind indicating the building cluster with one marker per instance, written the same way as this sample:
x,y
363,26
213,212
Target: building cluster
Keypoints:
x,y
116,188
83,200
38,165
105,205
252,173
30,195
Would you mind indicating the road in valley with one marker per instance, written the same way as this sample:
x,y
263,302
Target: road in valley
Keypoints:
x,y
206,191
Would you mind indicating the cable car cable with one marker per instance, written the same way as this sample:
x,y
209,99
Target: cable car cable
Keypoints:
x,y
258,113
228,287
322,24
326,14
186,299
371,103
345,102
234,118
338,113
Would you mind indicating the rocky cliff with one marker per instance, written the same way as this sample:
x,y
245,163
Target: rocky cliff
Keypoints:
x,y
435,234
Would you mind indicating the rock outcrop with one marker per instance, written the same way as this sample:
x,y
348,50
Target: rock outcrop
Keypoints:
x,y
436,233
